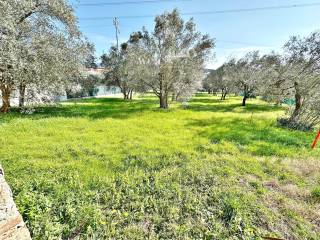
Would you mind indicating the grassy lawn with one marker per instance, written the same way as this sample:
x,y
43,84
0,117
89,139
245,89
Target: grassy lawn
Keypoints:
x,y
109,169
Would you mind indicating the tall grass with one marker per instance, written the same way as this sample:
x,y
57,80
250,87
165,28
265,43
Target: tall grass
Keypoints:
x,y
106,168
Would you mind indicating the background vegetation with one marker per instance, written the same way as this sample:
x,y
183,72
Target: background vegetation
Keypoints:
x,y
106,168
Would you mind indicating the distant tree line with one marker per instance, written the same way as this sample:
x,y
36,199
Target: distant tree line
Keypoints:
x,y
42,53
294,74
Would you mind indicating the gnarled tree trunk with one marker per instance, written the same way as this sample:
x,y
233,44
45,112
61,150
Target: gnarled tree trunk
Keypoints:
x,y
22,93
5,95
223,95
244,100
163,95
246,94
124,92
298,100
163,101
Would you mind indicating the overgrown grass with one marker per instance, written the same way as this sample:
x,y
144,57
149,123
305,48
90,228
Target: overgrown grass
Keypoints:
x,y
109,169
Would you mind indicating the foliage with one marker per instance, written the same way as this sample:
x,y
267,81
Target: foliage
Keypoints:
x,y
219,80
245,74
84,86
40,47
90,85
106,168
170,59
296,75
120,69
91,60
293,75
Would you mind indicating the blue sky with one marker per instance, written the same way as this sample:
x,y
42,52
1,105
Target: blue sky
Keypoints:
x,y
235,33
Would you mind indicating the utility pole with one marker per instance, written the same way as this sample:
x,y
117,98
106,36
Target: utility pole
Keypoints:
x,y
116,25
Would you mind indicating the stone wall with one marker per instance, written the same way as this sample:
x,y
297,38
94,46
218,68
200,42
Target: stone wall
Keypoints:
x,y
12,226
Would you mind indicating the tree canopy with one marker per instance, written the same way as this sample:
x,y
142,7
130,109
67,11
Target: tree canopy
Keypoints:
x,y
168,61
40,47
294,74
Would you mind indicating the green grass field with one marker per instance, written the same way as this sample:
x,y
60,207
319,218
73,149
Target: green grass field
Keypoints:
x,y
109,169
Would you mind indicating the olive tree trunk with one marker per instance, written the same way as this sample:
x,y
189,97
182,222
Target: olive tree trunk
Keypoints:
x,y
298,100
244,100
223,95
22,93
163,101
5,95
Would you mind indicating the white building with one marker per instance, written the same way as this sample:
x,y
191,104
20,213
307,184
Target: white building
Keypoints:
x,y
103,90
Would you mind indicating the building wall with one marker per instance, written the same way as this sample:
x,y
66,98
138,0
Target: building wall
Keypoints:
x,y
107,91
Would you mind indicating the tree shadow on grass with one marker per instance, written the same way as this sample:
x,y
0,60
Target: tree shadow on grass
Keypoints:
x,y
255,136
214,105
94,108
206,100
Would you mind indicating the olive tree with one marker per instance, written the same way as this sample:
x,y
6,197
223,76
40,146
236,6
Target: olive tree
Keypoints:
x,y
117,64
40,46
246,74
303,59
208,85
296,75
219,80
171,57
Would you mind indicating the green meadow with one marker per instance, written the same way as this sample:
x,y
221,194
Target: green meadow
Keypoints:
x,y
114,169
